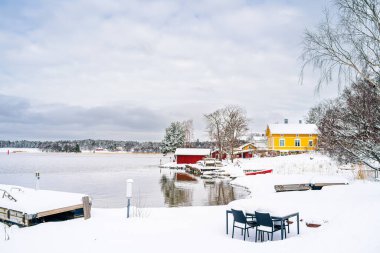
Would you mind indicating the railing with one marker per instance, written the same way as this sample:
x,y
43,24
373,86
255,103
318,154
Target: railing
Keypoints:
x,y
7,195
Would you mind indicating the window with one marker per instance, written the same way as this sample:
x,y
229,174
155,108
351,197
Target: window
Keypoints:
x,y
282,142
297,142
310,143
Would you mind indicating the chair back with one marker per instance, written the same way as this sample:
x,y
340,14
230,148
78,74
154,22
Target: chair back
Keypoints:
x,y
239,216
264,219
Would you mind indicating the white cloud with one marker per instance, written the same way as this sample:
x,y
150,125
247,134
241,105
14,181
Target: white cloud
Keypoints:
x,y
181,59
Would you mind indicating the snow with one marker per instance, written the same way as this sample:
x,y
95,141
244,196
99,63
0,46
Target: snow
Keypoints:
x,y
16,150
348,215
311,164
33,201
192,151
293,128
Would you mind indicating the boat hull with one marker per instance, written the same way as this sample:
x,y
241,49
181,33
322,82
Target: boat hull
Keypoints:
x,y
258,172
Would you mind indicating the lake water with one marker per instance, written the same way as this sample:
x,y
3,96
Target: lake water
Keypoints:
x,y
103,176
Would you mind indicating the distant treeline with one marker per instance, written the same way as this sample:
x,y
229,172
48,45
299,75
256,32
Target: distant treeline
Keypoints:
x,y
89,144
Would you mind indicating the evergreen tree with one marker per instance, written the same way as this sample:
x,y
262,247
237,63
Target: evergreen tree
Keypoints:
x,y
174,138
77,148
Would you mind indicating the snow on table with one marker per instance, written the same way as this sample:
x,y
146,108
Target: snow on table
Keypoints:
x,y
36,201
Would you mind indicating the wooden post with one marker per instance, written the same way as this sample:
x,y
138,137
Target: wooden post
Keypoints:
x,y
86,207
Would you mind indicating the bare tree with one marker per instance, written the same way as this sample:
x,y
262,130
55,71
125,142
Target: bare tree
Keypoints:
x,y
188,129
348,46
350,125
226,126
215,128
236,126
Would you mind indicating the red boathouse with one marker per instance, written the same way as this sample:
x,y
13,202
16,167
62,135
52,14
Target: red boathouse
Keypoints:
x,y
216,154
191,155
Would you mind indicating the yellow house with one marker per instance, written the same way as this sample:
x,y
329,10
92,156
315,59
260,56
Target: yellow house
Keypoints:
x,y
292,137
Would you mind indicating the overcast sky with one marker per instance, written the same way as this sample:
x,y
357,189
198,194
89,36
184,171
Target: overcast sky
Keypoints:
x,y
124,70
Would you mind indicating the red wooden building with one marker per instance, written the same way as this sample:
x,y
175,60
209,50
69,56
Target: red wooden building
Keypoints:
x,y
190,155
216,154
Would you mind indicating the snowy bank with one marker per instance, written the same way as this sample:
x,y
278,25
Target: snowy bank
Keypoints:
x,y
201,229
348,214
20,150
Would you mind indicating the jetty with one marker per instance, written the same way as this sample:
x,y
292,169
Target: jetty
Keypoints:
x,y
27,207
315,183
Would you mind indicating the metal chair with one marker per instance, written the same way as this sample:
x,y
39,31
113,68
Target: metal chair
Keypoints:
x,y
241,219
265,225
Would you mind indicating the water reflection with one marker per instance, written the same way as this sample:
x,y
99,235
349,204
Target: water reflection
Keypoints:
x,y
174,196
220,193
182,189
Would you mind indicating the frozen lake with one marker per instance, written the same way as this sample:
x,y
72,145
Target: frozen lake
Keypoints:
x,y
103,176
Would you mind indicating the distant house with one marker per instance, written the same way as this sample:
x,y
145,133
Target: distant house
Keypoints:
x,y
216,154
292,137
260,143
191,155
245,151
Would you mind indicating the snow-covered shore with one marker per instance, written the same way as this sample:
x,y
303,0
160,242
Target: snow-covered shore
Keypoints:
x,y
348,214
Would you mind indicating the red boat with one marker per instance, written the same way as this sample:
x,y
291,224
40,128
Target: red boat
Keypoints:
x,y
258,172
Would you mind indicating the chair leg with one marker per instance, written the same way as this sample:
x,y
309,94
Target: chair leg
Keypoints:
x,y
256,235
271,237
245,229
233,230
268,235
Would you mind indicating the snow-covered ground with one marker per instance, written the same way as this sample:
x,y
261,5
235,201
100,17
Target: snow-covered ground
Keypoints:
x,y
348,214
16,150
305,164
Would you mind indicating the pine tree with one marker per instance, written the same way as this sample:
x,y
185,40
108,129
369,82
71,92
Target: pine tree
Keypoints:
x,y
174,138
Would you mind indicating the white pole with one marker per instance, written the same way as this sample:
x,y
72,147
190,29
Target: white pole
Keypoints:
x,y
128,194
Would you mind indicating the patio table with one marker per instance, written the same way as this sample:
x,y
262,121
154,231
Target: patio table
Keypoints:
x,y
276,217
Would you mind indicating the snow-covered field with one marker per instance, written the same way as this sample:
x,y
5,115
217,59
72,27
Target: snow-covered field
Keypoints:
x,y
348,214
23,150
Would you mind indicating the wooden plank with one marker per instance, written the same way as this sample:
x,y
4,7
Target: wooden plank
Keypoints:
x,y
59,210
327,184
292,187
86,207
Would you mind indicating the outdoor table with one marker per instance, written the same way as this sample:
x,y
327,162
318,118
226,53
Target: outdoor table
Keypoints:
x,y
276,217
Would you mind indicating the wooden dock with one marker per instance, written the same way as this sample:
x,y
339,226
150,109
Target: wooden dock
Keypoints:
x,y
27,207
304,186
197,170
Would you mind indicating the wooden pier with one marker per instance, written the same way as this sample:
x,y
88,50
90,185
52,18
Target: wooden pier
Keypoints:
x,y
27,207
304,187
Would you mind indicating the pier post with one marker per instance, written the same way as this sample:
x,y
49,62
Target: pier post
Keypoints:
x,y
37,180
86,207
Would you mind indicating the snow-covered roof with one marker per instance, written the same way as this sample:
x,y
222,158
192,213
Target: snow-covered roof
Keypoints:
x,y
261,145
244,145
293,128
192,151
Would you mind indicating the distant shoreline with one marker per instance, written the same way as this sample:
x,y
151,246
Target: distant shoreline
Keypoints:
x,y
37,150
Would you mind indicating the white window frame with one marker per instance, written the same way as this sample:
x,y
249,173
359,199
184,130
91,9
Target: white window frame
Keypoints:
x,y
295,142
279,143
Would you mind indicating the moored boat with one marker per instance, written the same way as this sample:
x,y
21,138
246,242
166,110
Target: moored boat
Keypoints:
x,y
257,172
